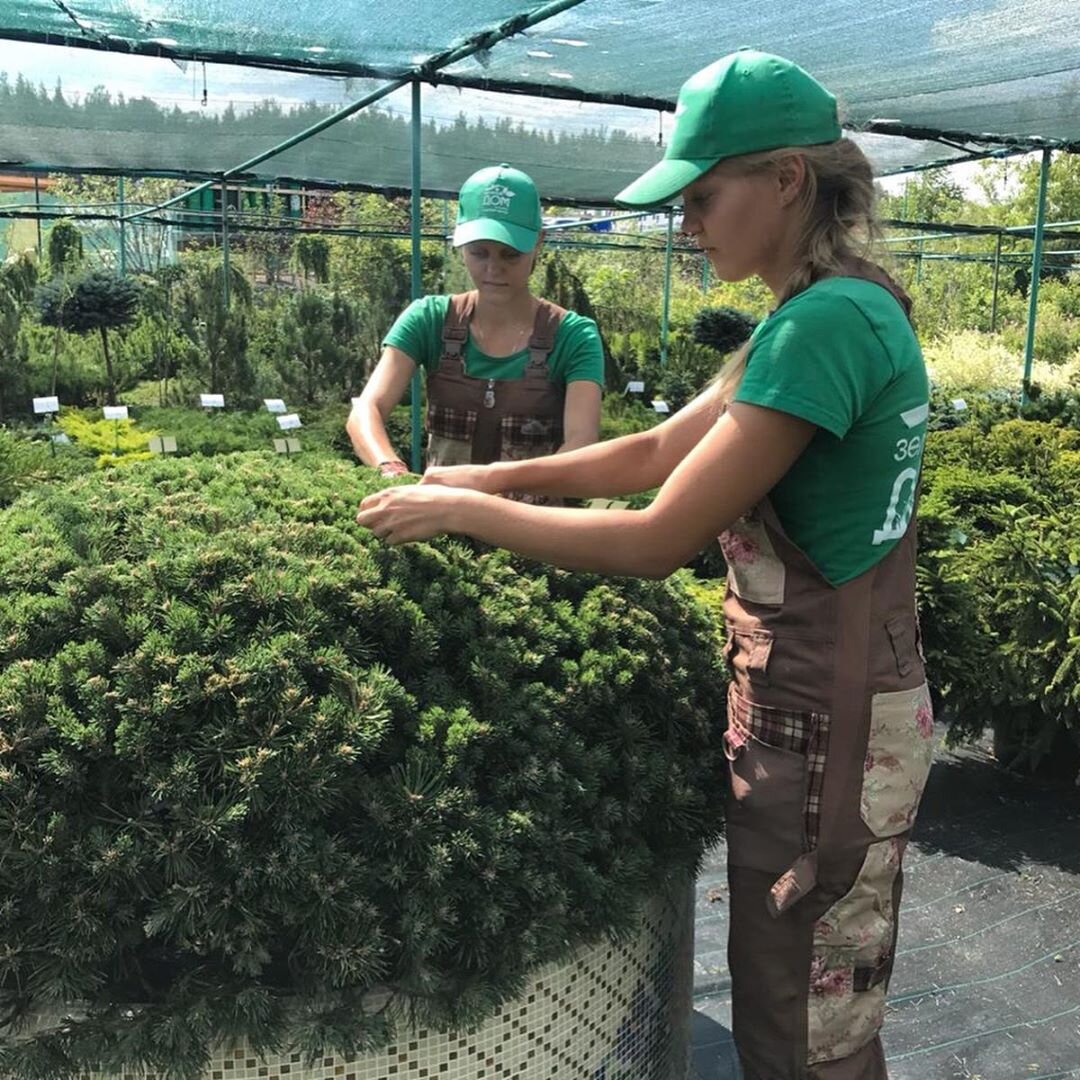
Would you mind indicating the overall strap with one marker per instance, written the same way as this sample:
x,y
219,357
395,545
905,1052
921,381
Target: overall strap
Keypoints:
x,y
455,327
549,317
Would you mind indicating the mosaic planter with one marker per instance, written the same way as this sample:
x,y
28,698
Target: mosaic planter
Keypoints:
x,y
611,1012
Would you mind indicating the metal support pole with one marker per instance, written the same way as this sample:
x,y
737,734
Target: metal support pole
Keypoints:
x,y
997,273
417,284
1036,269
37,207
704,273
667,287
120,209
225,243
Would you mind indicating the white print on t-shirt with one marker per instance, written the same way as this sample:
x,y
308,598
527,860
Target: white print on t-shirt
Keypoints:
x,y
902,498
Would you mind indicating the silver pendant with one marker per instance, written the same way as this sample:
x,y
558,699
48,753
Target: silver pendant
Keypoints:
x,y
489,395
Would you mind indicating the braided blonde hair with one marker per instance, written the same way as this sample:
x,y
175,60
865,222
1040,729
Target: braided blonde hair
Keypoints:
x,y
839,223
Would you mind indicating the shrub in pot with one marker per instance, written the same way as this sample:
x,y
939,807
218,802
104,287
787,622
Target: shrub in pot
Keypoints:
x,y
263,777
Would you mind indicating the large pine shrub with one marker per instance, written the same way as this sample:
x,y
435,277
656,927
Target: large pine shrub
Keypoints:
x,y
260,775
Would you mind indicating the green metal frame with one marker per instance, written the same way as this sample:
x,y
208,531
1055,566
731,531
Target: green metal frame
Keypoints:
x,y
122,253
417,284
997,278
666,310
1036,268
225,266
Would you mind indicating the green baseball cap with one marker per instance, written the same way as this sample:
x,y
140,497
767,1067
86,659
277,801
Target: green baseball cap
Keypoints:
x,y
744,102
499,203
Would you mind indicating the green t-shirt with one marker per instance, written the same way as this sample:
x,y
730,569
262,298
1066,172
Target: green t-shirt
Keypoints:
x,y
842,355
576,354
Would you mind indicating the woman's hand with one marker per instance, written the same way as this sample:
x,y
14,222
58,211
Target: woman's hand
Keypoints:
x,y
402,515
474,477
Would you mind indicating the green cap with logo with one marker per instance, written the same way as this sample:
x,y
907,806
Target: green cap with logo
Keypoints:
x,y
499,203
743,103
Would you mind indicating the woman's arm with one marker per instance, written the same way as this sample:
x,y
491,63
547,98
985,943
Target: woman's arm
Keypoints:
x,y
726,473
617,467
366,426
581,415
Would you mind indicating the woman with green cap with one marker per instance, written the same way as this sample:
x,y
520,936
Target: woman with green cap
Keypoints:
x,y
804,457
509,376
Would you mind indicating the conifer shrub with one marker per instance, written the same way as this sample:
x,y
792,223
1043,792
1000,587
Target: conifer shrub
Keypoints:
x,y
263,776
724,329
23,464
999,588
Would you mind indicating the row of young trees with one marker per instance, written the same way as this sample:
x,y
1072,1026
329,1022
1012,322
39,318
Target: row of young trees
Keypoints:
x,y
305,313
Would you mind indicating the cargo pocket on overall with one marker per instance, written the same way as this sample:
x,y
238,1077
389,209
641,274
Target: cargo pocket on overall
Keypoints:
x,y
755,572
898,758
450,435
747,654
525,437
852,959
777,763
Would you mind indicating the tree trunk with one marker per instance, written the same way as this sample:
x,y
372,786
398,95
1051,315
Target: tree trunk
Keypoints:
x,y
55,360
110,390
162,372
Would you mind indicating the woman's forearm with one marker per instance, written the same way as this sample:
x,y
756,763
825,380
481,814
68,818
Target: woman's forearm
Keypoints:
x,y
621,466
618,542
366,428
618,467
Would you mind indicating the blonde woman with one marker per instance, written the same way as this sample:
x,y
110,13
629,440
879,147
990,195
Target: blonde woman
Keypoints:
x,y
804,458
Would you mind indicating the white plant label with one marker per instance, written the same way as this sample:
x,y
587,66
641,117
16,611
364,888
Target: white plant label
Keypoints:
x,y
661,406
115,412
163,444
635,387
274,405
46,405
959,404
212,401
288,421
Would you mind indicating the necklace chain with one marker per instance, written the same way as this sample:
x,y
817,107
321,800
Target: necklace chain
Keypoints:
x,y
520,335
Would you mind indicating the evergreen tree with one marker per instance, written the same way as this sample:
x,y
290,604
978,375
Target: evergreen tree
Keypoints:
x,y
722,328
219,330
65,248
310,357
101,301
10,321
19,275
313,255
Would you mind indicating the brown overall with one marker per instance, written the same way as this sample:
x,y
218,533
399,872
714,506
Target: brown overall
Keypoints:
x,y
477,421
830,739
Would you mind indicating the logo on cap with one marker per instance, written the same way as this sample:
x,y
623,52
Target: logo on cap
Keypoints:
x,y
497,197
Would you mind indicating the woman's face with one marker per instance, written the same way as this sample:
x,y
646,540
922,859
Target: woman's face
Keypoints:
x,y
743,221
498,269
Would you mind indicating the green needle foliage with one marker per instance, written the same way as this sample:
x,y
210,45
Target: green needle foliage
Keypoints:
x,y
262,776
722,328
99,300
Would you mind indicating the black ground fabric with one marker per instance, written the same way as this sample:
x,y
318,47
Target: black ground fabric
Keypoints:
x,y
987,978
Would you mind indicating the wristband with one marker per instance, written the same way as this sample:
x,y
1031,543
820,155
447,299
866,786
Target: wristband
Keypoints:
x,y
392,467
